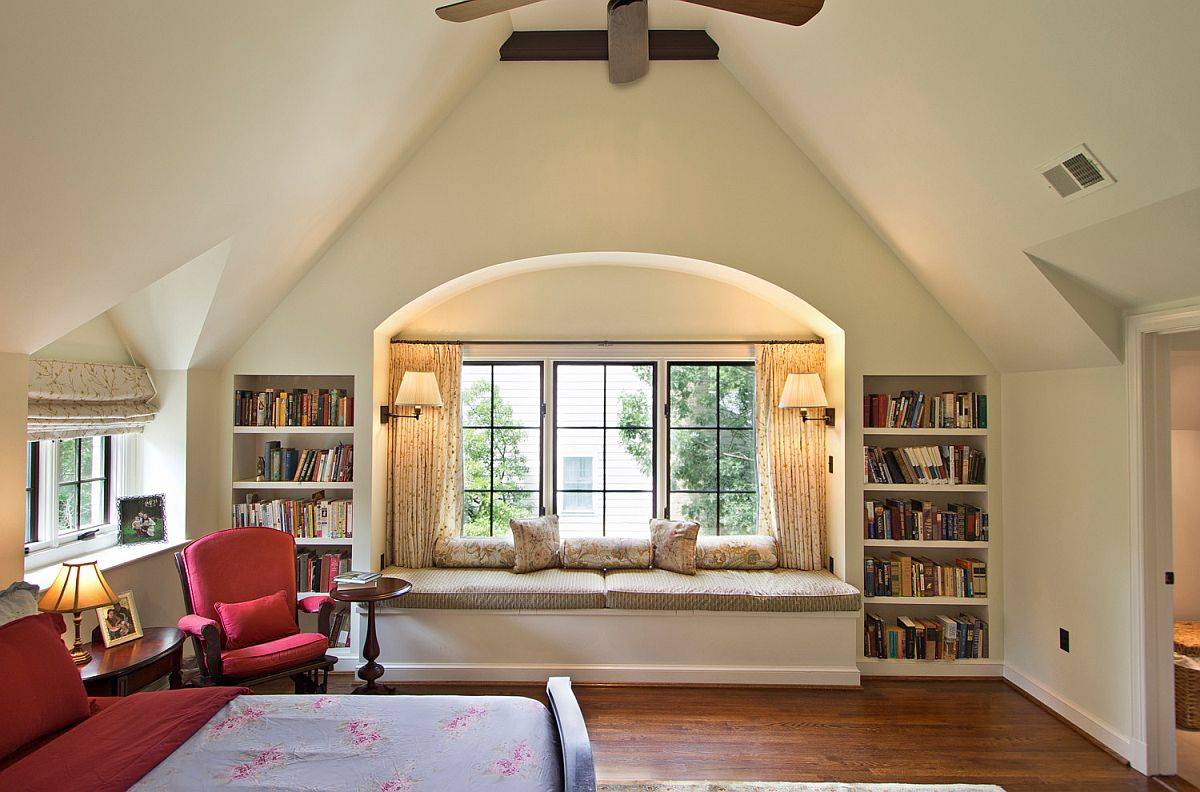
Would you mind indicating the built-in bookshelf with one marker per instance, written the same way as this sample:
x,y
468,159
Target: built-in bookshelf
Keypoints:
x,y
935,454
306,425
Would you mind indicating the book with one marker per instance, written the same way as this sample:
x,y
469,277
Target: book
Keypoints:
x,y
295,407
903,575
939,638
316,518
921,520
930,465
911,409
352,577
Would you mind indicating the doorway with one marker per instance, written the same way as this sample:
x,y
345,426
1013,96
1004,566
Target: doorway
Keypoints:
x,y
1184,364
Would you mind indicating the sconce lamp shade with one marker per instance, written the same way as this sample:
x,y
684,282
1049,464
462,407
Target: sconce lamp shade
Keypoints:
x,y
78,587
803,390
418,389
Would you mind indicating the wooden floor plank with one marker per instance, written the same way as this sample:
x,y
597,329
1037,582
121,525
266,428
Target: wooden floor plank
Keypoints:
x,y
912,731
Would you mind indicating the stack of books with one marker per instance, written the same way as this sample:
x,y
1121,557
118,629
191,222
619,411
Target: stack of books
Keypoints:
x,y
296,407
962,637
305,519
318,571
353,580
912,576
307,464
912,409
917,520
933,465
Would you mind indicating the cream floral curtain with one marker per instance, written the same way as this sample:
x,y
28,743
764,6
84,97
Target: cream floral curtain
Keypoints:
x,y
68,400
791,458
424,459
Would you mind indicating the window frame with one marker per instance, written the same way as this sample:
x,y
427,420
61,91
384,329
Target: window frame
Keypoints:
x,y
51,546
603,429
752,429
541,430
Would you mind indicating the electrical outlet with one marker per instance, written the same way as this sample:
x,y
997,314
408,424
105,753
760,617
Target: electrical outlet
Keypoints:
x,y
1064,639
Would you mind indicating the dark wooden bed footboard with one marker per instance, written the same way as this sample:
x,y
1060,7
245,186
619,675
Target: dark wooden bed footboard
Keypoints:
x,y
579,773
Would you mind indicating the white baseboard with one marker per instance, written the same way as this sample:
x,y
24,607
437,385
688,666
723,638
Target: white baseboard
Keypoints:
x,y
1100,731
632,674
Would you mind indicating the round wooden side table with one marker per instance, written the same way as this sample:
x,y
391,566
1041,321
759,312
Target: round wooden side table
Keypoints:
x,y
384,589
129,667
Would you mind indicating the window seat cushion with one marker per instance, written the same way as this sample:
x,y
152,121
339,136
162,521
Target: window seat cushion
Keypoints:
x,y
779,590
499,589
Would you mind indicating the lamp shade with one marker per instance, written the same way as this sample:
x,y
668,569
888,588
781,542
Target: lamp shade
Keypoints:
x,y
803,390
78,587
418,389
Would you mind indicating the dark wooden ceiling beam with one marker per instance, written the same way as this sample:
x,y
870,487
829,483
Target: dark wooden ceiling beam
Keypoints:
x,y
577,45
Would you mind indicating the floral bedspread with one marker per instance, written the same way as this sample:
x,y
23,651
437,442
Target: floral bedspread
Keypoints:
x,y
368,744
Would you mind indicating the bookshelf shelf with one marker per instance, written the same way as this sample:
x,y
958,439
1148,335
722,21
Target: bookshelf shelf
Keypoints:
x,y
966,661
316,541
293,485
930,545
293,430
868,487
925,600
923,432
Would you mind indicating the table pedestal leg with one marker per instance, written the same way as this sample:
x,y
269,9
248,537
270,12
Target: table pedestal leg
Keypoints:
x,y
371,670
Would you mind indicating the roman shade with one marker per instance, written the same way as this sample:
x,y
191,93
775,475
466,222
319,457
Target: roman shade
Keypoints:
x,y
69,400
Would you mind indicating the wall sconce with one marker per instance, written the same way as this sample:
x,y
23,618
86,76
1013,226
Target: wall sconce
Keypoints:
x,y
417,389
804,391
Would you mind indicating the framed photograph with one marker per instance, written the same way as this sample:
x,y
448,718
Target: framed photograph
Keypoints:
x,y
119,623
141,519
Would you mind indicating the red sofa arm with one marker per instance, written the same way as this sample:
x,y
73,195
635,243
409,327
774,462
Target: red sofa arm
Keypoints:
x,y
314,603
206,632
194,625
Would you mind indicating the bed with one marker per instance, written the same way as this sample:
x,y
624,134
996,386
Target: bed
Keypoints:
x,y
226,738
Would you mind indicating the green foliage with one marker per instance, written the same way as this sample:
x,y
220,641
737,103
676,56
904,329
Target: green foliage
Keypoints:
x,y
502,467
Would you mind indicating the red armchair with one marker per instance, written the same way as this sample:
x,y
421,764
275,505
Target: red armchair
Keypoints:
x,y
238,565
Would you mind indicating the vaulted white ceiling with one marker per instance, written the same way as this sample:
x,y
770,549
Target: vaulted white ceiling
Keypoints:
x,y
136,136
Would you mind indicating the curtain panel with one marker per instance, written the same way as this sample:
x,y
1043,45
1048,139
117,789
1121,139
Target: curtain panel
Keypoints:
x,y
425,469
69,400
791,458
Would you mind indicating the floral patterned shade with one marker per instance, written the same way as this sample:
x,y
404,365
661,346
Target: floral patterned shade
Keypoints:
x,y
68,400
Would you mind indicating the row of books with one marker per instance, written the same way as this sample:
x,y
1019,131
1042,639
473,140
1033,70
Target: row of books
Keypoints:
x,y
913,576
917,520
961,637
316,571
306,464
912,409
298,407
940,464
315,518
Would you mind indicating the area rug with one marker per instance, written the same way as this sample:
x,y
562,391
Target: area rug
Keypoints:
x,y
783,786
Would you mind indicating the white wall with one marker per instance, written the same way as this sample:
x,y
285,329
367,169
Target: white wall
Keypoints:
x,y
549,158
96,341
1185,480
14,391
1066,538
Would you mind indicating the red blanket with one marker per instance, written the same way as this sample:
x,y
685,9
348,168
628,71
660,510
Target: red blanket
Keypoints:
x,y
118,745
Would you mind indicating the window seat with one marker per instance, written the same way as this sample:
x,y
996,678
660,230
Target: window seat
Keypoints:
x,y
775,590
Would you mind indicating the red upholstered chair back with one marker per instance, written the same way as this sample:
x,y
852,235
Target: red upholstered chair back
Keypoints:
x,y
239,564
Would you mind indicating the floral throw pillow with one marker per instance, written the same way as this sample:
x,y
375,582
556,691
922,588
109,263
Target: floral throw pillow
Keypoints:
x,y
536,542
495,552
606,552
674,545
736,552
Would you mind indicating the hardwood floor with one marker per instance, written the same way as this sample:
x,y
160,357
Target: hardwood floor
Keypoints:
x,y
915,731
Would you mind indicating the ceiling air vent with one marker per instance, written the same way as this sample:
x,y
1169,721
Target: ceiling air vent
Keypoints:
x,y
1075,173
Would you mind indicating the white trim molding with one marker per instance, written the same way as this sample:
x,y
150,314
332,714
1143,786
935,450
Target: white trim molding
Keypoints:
x,y
815,676
1152,738
1104,733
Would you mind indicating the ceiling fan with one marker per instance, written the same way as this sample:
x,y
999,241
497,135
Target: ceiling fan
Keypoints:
x,y
628,27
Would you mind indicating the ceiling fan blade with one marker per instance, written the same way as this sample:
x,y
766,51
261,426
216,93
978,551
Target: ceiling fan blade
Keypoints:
x,y
467,10
789,12
628,40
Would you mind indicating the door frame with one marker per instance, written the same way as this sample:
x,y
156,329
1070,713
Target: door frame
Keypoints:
x,y
1152,742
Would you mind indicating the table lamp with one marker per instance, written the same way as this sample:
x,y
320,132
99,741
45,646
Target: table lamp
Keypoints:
x,y
77,588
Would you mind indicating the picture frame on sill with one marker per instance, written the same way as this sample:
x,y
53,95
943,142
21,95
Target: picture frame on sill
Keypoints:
x,y
141,519
119,623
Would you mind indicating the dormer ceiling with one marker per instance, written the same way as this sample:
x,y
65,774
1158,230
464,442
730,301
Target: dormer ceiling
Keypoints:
x,y
132,141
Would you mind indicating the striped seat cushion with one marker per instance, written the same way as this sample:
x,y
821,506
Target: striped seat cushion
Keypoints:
x,y
499,589
780,590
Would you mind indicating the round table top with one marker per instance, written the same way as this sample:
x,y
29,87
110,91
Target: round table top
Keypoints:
x,y
384,588
1187,638
122,658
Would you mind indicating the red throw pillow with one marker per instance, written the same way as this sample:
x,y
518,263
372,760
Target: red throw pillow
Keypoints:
x,y
257,621
46,694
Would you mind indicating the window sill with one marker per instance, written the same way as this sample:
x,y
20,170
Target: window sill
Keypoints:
x,y
109,558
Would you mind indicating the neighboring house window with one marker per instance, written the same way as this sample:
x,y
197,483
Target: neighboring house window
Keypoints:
x,y
577,484
70,494
606,411
502,445
711,457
